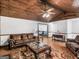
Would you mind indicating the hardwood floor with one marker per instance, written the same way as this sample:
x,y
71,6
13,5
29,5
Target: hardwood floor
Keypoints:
x,y
59,50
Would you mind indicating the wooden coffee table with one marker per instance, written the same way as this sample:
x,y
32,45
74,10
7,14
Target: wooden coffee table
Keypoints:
x,y
36,49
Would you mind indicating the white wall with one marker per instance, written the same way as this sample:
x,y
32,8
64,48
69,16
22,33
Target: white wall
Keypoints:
x,y
58,26
61,26
52,27
75,25
72,27
69,26
14,25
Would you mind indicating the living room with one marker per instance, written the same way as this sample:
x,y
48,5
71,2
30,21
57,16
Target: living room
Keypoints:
x,y
34,37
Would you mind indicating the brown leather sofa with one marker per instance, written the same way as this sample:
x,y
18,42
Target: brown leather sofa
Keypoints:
x,y
18,40
73,45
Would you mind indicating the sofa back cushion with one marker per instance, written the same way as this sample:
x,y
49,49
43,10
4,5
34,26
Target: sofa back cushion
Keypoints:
x,y
30,36
77,39
24,37
15,37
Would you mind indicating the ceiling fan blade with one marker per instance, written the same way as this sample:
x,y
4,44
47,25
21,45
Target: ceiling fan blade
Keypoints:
x,y
41,13
51,13
51,9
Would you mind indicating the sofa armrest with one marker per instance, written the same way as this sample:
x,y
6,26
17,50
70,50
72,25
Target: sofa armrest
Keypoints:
x,y
11,42
78,54
70,40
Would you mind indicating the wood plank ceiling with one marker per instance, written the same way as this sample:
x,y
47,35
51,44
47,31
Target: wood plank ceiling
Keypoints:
x,y
30,9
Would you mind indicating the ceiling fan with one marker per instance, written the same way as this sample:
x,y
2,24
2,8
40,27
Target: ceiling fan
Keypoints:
x,y
45,8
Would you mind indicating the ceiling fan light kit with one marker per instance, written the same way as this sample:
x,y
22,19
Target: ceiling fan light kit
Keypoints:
x,y
45,15
47,12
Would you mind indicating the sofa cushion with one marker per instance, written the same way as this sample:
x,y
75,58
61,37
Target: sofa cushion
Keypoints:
x,y
24,37
15,37
74,46
30,36
71,43
77,39
12,42
4,40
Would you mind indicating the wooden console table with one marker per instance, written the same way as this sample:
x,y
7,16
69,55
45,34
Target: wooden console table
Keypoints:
x,y
59,37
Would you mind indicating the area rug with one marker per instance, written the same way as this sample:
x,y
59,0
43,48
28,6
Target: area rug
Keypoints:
x,y
57,54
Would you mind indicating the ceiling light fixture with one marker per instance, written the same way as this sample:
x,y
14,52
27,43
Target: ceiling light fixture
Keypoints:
x,y
45,15
47,11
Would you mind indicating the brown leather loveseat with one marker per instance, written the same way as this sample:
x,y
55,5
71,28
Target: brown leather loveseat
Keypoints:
x,y
73,45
